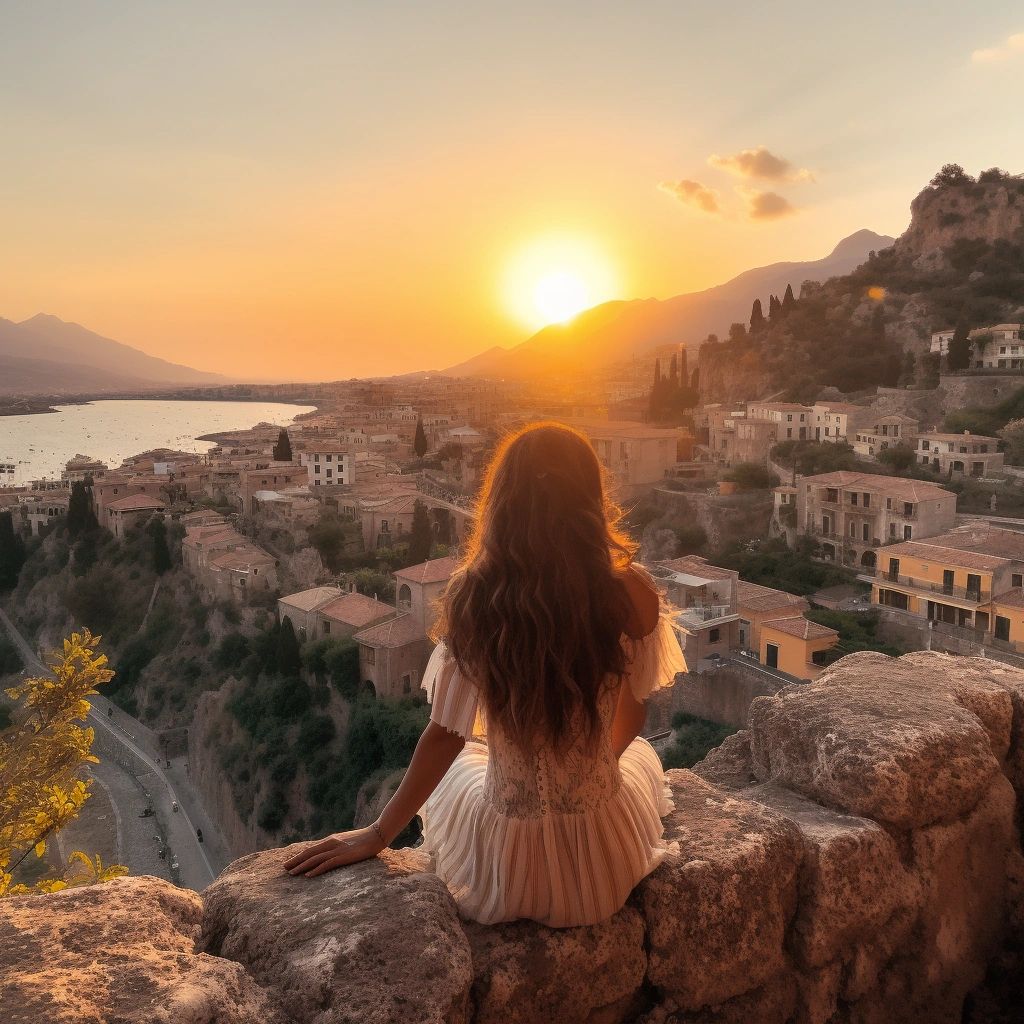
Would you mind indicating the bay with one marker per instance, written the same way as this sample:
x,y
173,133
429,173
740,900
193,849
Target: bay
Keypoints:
x,y
111,430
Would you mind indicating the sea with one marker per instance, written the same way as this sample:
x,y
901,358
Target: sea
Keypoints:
x,y
38,446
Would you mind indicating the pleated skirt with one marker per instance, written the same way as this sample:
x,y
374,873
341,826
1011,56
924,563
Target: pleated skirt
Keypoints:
x,y
559,869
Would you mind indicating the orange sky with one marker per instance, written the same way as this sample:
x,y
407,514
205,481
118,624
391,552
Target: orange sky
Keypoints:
x,y
313,193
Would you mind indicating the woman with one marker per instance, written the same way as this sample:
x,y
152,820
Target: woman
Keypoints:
x,y
553,638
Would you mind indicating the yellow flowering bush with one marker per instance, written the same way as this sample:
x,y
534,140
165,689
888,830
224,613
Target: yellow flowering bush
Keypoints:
x,y
41,759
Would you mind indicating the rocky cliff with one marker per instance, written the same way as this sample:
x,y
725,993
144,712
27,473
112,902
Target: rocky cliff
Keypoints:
x,y
853,856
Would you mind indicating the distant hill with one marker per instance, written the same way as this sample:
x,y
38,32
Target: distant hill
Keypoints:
x,y
616,331
961,260
47,355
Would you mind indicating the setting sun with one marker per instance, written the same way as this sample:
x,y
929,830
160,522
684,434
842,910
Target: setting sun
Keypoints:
x,y
553,279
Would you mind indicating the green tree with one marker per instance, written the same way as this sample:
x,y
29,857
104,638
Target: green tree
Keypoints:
x,y
788,300
43,784
283,448
899,458
959,355
157,530
419,444
951,174
1013,435
81,518
757,320
421,536
329,536
12,552
289,657
751,476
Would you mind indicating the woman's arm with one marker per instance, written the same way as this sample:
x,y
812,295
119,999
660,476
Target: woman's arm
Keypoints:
x,y
630,715
435,751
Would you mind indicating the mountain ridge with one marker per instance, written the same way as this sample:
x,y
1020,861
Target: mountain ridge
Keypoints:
x,y
45,354
621,328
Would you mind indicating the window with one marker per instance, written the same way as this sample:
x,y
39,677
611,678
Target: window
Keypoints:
x,y
1002,628
369,655
789,431
894,568
853,497
867,501
907,533
407,683
908,509
327,626
316,458
316,469
789,418
892,530
714,635
383,526
328,457
866,533
948,578
1017,579
974,586
771,655
888,503
853,530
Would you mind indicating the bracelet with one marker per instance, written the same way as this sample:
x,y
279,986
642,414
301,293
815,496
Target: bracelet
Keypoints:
x,y
380,835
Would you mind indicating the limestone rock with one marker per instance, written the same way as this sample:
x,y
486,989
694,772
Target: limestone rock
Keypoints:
x,y
118,953
729,765
717,916
526,973
374,943
905,741
852,880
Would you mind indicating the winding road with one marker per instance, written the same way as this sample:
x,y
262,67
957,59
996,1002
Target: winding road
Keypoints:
x,y
195,868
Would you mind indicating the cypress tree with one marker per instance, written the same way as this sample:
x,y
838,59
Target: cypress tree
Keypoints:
x,y
756,317
161,553
673,373
289,658
12,552
283,448
788,300
683,372
774,307
421,537
959,355
419,444
81,518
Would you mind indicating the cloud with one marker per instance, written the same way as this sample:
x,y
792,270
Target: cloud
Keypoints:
x,y
693,193
1012,47
765,205
759,163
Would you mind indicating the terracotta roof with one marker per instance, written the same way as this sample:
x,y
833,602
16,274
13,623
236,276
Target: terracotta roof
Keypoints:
x,y
801,628
697,566
893,486
985,540
397,632
307,600
765,599
436,570
243,559
932,550
135,502
327,448
355,610
1012,598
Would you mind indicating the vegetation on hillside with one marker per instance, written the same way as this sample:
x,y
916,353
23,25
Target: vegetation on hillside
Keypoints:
x,y
772,564
694,739
858,631
849,332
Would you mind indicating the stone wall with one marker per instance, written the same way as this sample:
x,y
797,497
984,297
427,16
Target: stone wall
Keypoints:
x,y
724,695
961,391
853,856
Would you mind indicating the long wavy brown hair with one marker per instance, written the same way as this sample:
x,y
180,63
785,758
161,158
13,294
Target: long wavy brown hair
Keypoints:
x,y
535,613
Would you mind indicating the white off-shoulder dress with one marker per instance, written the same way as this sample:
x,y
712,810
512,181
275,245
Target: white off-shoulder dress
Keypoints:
x,y
557,839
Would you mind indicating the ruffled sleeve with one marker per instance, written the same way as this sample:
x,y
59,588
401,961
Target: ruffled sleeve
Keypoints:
x,y
655,659
454,700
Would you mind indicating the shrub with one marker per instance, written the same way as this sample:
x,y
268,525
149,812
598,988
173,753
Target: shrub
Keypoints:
x,y
694,738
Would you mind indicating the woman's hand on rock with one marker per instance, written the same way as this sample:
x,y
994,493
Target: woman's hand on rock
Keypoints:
x,y
335,852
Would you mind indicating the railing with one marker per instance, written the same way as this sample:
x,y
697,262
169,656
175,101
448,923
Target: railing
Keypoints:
x,y
960,593
700,614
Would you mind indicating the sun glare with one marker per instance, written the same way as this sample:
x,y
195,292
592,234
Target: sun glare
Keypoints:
x,y
551,280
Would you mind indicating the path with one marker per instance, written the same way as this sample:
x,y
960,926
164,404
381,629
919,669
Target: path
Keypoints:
x,y
195,868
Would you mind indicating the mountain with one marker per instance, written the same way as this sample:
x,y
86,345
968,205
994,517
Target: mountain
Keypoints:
x,y
961,261
47,355
616,331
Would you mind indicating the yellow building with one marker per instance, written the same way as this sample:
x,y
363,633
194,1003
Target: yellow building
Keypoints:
x,y
970,579
792,645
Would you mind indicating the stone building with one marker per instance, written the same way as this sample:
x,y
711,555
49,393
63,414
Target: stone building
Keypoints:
x,y
959,455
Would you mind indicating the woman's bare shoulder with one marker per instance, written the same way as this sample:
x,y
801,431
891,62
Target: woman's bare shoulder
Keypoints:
x,y
644,600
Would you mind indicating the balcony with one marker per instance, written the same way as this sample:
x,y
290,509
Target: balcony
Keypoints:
x,y
883,577
702,616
